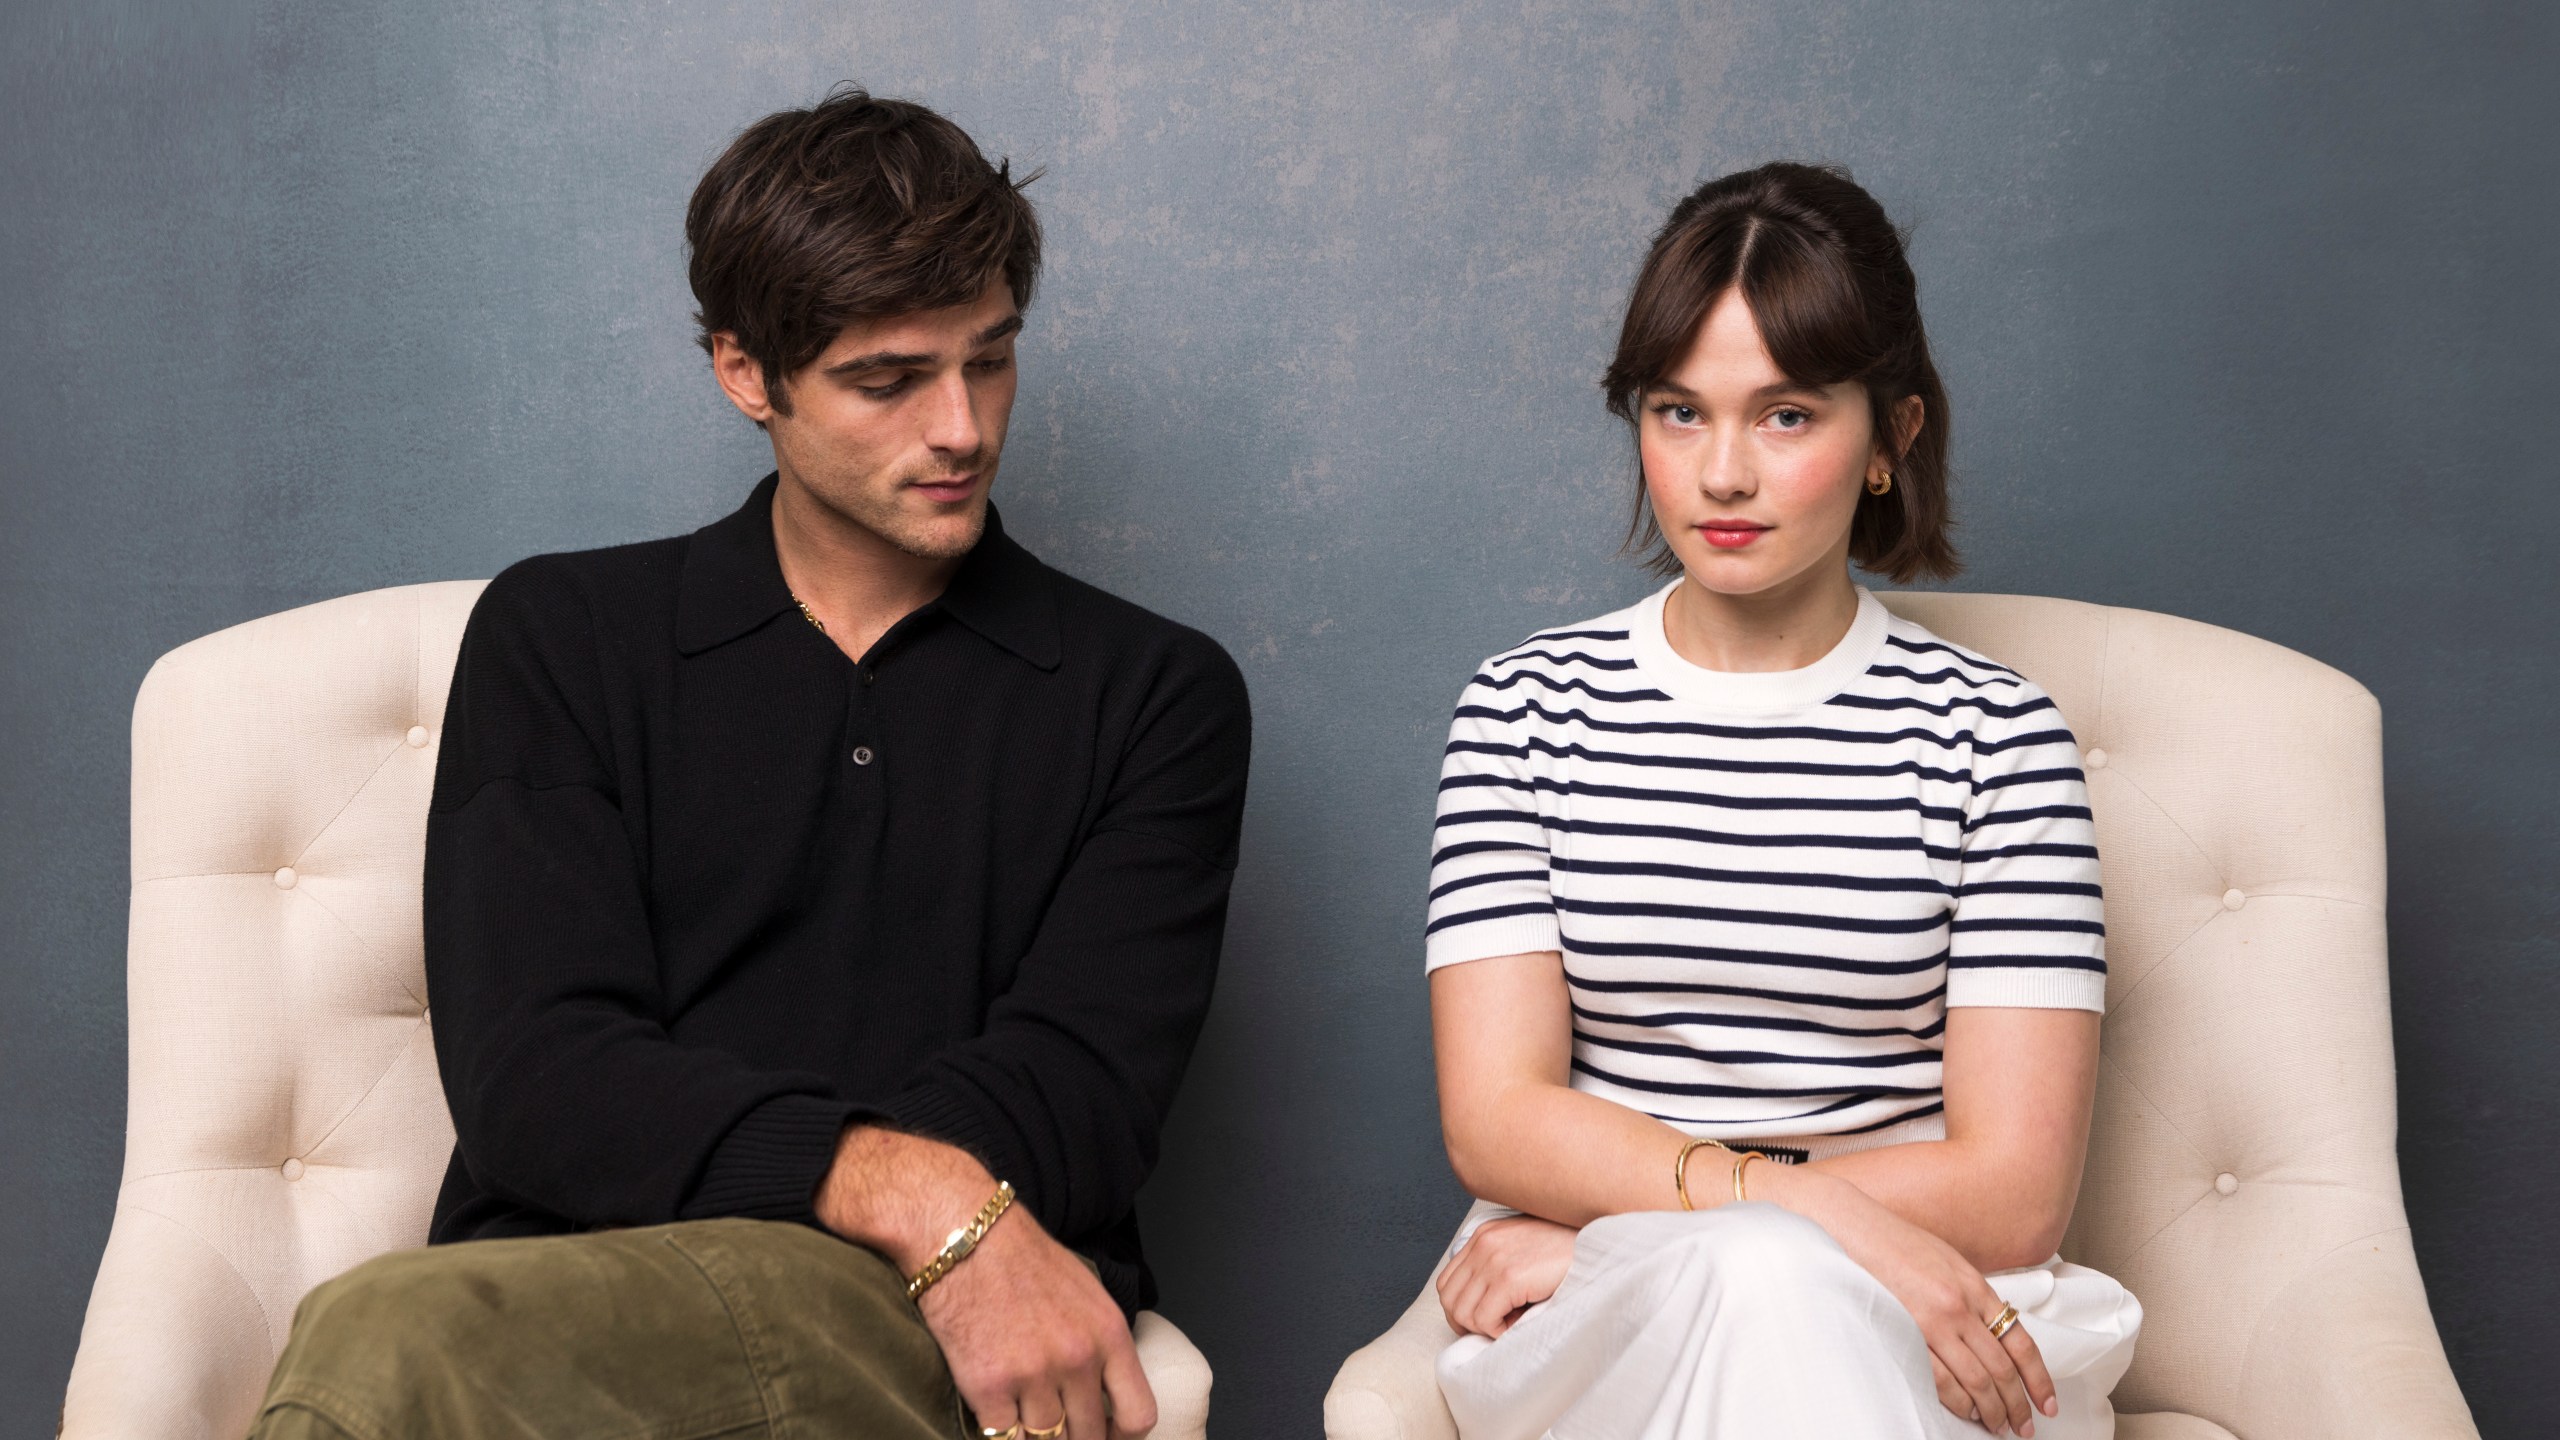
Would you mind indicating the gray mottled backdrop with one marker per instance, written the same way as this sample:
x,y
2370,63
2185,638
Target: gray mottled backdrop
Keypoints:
x,y
2247,309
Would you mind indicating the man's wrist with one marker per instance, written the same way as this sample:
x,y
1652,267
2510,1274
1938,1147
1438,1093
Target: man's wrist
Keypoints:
x,y
900,1194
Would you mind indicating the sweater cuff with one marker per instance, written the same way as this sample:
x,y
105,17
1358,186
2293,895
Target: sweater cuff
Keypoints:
x,y
937,1114
769,1165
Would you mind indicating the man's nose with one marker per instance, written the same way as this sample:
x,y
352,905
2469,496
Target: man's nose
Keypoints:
x,y
951,417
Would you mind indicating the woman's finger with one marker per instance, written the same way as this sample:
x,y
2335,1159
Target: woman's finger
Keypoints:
x,y
1950,1394
2006,1383
2040,1387
1979,1389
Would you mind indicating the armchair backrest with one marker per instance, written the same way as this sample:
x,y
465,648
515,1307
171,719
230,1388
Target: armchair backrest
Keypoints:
x,y
2243,1154
284,1120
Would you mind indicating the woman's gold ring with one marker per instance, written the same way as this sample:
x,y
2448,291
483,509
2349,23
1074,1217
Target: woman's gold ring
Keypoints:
x,y
2001,1324
1052,1433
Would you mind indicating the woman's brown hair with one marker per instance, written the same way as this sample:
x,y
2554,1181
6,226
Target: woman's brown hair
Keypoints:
x,y
1825,276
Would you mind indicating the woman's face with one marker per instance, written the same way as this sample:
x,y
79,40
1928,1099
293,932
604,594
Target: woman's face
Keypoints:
x,y
1754,477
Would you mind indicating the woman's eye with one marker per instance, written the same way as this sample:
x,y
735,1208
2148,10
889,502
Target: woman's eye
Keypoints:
x,y
1681,414
1791,419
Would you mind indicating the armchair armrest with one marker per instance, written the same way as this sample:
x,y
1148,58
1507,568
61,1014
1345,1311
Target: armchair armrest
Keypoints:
x,y
2350,1349
1390,1389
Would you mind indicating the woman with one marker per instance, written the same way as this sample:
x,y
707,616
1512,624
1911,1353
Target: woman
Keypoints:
x,y
1765,941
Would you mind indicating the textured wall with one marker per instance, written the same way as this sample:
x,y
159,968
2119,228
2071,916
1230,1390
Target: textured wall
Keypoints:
x,y
2245,308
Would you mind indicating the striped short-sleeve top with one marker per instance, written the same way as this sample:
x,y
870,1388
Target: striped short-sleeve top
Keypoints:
x,y
1768,888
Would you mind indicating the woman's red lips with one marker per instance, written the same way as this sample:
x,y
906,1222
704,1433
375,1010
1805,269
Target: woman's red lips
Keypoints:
x,y
1732,534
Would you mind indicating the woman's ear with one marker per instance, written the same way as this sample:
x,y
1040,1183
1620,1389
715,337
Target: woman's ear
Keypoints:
x,y
1908,413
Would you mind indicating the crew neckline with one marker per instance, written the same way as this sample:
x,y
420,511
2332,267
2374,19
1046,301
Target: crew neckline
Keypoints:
x,y
1755,692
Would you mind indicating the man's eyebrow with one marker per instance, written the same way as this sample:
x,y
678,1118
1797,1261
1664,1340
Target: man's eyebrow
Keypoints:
x,y
918,359
882,360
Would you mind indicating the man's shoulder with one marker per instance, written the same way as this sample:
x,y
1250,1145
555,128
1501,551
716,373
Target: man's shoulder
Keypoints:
x,y
571,593
1116,632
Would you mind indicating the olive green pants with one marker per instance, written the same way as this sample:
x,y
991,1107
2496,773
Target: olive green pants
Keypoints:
x,y
675,1332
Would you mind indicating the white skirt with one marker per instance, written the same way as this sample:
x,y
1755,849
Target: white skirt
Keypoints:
x,y
1749,1321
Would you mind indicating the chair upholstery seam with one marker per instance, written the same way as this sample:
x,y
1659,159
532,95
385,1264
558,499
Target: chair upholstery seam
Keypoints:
x,y
266,1321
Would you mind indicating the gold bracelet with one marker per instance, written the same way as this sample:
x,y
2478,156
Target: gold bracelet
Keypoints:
x,y
957,1245
1680,1172
1741,1162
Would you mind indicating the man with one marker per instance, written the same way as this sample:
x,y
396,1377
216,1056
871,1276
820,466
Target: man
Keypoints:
x,y
807,892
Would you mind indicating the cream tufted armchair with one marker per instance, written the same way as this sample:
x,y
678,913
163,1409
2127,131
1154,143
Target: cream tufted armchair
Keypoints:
x,y
284,1117
2241,1179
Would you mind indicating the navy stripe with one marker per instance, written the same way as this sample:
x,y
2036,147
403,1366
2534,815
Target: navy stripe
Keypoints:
x,y
1862,925
2010,852
2020,817
1673,1087
1935,676
1707,762
2064,927
1757,1057
2031,887
1666,950
1923,647
1716,837
1566,686
1487,879
2026,962
1569,657
1922,884
1960,740
1761,1022
1498,912
1479,847
2031,777
1540,784
1749,992
1949,707
1576,635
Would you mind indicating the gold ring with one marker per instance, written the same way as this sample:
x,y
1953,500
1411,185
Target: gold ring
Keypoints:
x,y
2004,1322
1010,1432
1052,1433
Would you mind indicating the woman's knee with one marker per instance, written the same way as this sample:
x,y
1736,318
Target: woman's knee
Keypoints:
x,y
1764,1249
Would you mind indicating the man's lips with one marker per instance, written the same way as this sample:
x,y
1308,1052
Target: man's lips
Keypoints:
x,y
1732,534
949,488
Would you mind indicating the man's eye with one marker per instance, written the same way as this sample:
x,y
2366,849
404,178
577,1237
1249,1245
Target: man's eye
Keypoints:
x,y
993,363
890,390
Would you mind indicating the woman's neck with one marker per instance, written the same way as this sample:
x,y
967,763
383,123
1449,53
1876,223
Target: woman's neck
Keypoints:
x,y
1785,628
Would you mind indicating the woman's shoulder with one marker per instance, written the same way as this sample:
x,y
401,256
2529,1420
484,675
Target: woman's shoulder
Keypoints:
x,y
1912,651
1601,644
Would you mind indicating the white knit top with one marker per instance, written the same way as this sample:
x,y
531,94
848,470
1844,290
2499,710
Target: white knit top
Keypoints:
x,y
1767,888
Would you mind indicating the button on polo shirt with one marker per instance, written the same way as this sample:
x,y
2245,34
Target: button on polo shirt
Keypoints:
x,y
701,890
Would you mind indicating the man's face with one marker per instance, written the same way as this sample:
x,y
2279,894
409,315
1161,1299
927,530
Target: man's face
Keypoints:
x,y
897,425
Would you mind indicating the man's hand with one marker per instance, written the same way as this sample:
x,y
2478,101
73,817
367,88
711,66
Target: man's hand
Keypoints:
x,y
1031,1336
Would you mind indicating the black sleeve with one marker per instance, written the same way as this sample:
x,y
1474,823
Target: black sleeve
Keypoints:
x,y
1066,1090
567,1094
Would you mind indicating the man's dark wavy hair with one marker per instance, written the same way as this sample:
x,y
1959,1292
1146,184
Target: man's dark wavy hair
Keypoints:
x,y
853,209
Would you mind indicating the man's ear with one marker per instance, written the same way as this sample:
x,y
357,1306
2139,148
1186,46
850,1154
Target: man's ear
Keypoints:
x,y
741,378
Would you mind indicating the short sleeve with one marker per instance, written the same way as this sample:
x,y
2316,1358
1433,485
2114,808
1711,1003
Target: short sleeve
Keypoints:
x,y
2030,924
1489,845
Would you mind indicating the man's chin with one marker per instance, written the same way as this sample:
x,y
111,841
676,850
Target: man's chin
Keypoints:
x,y
946,536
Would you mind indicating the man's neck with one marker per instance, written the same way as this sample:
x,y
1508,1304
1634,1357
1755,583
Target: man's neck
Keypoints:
x,y
855,584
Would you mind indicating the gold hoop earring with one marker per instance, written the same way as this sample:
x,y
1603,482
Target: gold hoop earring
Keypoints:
x,y
1880,484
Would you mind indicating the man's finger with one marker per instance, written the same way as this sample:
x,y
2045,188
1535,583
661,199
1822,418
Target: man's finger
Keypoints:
x,y
1125,1387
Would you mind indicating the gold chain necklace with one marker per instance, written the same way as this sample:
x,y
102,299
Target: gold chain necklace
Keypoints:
x,y
809,615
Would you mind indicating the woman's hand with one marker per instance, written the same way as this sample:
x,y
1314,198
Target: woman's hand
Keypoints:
x,y
1995,1381
1508,1266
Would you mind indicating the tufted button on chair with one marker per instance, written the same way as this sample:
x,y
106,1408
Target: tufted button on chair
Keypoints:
x,y
2241,1177
284,1119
